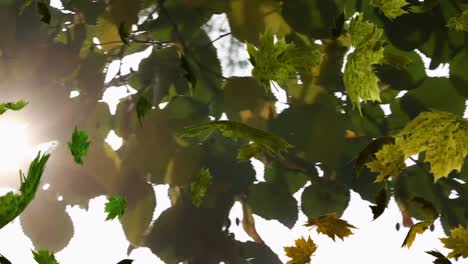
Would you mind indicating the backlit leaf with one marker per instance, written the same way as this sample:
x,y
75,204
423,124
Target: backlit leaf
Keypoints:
x,y
12,106
44,257
79,145
331,226
442,136
301,252
416,229
459,23
200,185
425,6
115,207
391,8
457,242
440,258
389,161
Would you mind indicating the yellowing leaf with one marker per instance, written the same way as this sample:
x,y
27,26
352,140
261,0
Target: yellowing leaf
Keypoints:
x,y
108,34
280,61
115,207
442,136
331,226
359,79
389,161
381,202
460,22
301,252
418,228
391,8
457,242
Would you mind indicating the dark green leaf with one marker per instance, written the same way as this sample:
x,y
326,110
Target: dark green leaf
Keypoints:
x,y
381,202
4,260
440,258
325,197
79,145
200,185
124,33
126,261
115,207
43,11
44,257
369,152
142,108
25,5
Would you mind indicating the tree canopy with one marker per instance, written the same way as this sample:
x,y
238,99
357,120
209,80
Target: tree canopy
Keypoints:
x,y
339,63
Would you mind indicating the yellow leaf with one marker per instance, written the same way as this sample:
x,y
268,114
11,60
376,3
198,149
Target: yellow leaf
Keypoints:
x,y
389,161
331,226
301,252
457,242
418,228
108,34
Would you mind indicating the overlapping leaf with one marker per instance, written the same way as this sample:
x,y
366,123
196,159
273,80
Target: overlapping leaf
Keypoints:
x,y
200,185
391,8
440,258
416,229
381,202
389,161
301,252
457,242
331,226
79,145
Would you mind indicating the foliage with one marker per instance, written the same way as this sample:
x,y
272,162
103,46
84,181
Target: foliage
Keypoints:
x,y
331,226
381,202
416,229
4,260
460,22
199,186
301,252
79,145
457,242
44,257
12,106
389,161
115,207
391,8
440,258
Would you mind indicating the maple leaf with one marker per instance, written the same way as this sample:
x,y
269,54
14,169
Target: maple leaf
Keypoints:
x,y
15,106
389,161
115,207
457,242
459,23
442,136
301,252
331,226
200,185
391,8
440,258
79,145
360,81
44,257
417,228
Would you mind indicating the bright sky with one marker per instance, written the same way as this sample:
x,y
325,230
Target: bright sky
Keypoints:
x,y
104,241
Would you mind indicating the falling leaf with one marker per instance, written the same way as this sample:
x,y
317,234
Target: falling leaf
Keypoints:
x,y
25,5
43,11
331,226
301,252
279,61
389,161
391,8
115,207
457,242
381,202
442,136
11,204
199,186
142,108
459,23
424,7
417,228
360,81
44,257
79,145
12,106
440,258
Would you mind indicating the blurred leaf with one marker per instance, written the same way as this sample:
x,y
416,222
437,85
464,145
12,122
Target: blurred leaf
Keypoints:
x,y
79,145
142,108
26,4
126,261
459,23
44,257
115,207
457,73
12,106
11,204
4,260
391,8
416,229
301,252
389,161
43,11
277,174
441,259
457,242
248,223
124,33
325,197
425,6
369,152
199,186
381,202
331,226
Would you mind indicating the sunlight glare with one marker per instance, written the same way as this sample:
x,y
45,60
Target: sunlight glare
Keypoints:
x,y
13,145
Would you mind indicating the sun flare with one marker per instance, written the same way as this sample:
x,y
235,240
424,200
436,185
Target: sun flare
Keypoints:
x,y
14,145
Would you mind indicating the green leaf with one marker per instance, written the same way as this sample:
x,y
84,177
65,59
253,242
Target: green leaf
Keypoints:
x,y
424,7
79,145
18,105
43,11
325,197
369,152
280,61
115,207
440,258
391,8
360,81
25,5
200,185
268,143
389,161
142,108
44,257
459,23
4,260
442,136
416,229
457,242
11,204
381,202
124,33
126,261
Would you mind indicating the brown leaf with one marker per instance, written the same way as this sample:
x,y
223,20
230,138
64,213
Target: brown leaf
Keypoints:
x,y
331,226
301,252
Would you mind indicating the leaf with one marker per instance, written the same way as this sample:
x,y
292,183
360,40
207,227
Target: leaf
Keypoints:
x,y
381,202
359,79
417,228
424,7
115,207
441,135
428,209
325,197
124,33
142,108
126,261
25,5
369,152
459,23
107,33
43,11
389,161
248,223
11,204
301,252
44,257
268,143
200,185
280,61
331,226
391,8
441,259
457,242
12,106
79,145
4,260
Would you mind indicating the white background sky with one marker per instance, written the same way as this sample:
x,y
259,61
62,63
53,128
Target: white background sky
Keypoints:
x,y
99,241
